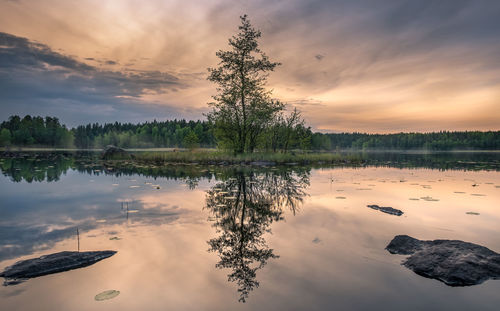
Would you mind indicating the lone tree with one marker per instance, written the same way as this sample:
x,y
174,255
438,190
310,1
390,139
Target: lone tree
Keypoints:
x,y
243,108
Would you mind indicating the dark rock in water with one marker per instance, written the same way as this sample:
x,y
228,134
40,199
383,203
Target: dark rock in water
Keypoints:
x,y
386,209
453,262
49,264
112,152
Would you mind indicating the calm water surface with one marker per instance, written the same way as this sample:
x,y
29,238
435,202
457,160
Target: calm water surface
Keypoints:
x,y
209,238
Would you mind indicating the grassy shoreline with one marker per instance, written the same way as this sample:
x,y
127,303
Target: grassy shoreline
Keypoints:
x,y
219,157
172,149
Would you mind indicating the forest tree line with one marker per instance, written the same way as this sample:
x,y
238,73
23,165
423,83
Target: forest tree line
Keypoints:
x,y
283,136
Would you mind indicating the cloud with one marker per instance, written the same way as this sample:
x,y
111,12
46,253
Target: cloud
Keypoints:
x,y
37,79
405,57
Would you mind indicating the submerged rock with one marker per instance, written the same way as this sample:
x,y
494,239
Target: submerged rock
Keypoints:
x,y
453,262
386,209
113,152
49,264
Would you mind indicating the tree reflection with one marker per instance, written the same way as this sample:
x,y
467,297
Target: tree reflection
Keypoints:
x,y
243,208
46,167
50,166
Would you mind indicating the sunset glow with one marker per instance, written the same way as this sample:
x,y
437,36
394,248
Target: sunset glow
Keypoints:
x,y
365,66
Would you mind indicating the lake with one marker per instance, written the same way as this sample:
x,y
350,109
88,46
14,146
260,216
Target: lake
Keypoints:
x,y
191,237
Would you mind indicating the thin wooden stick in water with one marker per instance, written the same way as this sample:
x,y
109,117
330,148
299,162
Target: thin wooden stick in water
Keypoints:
x,y
78,236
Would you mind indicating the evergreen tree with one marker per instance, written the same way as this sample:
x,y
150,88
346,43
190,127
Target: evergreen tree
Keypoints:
x,y
242,107
5,137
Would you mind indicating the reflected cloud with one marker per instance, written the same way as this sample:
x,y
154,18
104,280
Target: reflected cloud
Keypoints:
x,y
41,219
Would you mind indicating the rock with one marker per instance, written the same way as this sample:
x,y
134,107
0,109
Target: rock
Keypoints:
x,y
453,262
49,264
113,152
386,209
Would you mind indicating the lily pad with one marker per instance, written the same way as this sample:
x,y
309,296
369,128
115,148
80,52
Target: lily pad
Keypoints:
x,y
109,294
428,198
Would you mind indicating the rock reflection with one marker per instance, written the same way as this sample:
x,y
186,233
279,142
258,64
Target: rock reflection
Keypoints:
x,y
242,209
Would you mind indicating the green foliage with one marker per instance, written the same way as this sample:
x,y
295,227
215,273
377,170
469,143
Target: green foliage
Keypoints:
x,y
287,132
284,133
154,134
5,137
407,141
35,131
242,109
191,140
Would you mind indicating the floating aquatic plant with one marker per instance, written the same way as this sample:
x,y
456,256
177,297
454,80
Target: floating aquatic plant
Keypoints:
x,y
109,294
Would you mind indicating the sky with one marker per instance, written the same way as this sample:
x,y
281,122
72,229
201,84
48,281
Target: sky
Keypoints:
x,y
376,66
